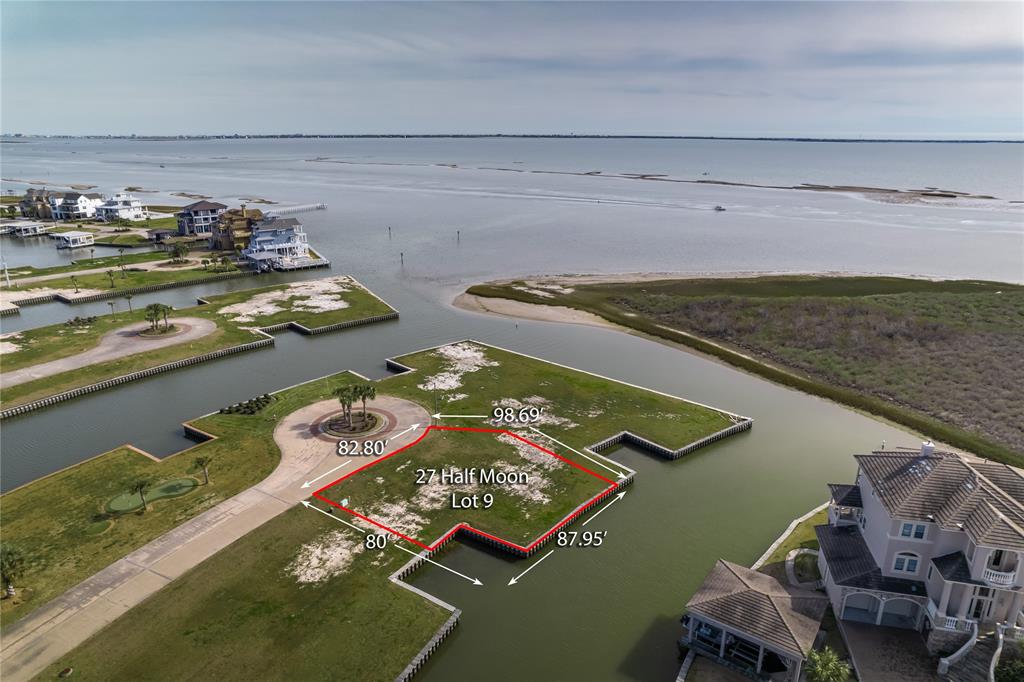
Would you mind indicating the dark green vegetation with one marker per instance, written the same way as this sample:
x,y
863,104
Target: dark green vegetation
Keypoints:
x,y
943,358
131,500
299,597
45,344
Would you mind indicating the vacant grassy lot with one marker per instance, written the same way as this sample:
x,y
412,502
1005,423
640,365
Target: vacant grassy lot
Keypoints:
x,y
244,613
299,597
311,303
60,522
391,492
305,301
109,262
943,358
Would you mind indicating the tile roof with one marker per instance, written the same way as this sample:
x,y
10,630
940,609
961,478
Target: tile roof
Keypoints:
x,y
850,562
984,498
846,495
954,568
785,618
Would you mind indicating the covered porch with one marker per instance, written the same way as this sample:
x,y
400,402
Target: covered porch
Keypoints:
x,y
740,652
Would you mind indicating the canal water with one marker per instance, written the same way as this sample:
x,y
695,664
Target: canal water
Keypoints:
x,y
597,613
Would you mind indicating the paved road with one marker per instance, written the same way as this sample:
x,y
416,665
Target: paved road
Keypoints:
x,y
113,345
194,264
53,630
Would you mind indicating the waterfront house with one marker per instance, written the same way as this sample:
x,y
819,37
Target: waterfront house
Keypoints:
x,y
74,239
74,205
122,206
198,219
927,540
277,243
234,228
36,203
750,622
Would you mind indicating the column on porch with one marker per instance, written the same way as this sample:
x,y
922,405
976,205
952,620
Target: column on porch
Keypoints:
x,y
881,610
760,658
1015,606
947,589
965,602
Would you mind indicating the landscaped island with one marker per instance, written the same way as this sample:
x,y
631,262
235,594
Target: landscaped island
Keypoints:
x,y
941,357
47,361
303,579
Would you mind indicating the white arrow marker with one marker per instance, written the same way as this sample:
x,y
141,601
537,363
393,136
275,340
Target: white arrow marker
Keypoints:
x,y
614,471
309,483
516,579
411,428
617,498
308,505
460,416
466,577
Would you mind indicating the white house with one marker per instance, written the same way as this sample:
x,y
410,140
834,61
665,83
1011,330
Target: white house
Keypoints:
x,y
929,540
277,242
74,206
122,206
74,239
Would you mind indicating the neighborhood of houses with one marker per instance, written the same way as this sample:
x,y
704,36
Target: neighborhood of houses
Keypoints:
x,y
923,541
264,241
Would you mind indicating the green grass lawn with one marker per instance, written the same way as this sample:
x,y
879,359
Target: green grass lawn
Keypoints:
x,y
290,299
278,602
110,262
519,514
164,208
802,537
936,356
128,239
55,520
45,344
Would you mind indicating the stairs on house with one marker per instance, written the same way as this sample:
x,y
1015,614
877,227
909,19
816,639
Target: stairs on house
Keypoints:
x,y
974,666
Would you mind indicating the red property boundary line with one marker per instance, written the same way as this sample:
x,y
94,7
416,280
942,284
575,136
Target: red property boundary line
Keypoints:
x,y
612,485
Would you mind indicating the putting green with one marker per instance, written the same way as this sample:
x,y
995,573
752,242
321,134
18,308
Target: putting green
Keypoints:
x,y
126,502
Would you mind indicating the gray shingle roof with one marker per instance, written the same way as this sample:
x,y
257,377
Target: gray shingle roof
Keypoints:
x,y
984,498
846,495
850,562
954,568
785,618
203,206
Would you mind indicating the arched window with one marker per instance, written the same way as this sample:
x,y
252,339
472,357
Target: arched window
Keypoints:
x,y
906,562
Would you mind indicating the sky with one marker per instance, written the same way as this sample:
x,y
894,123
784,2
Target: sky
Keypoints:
x,y
818,69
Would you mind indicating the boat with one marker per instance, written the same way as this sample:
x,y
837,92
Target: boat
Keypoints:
x,y
719,208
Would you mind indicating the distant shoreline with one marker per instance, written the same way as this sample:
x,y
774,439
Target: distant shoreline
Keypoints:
x,y
317,136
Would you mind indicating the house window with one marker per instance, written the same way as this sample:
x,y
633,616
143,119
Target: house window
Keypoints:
x,y
997,557
905,563
913,530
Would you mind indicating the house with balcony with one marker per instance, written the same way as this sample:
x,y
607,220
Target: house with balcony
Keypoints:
x,y
198,219
38,203
926,540
74,205
122,206
277,243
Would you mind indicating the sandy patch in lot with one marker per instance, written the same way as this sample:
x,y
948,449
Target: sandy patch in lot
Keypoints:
x,y
461,358
8,342
315,296
546,416
329,555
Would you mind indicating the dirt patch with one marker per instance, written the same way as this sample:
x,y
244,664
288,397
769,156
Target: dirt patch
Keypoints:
x,y
461,358
328,556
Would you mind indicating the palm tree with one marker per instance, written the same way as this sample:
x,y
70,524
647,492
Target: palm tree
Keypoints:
x,y
92,252
12,566
346,397
365,392
206,264
825,666
120,261
128,297
204,464
110,274
111,304
153,315
74,280
140,487
164,310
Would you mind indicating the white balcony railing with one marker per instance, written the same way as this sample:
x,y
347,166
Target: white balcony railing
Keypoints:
x,y
941,621
1001,578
